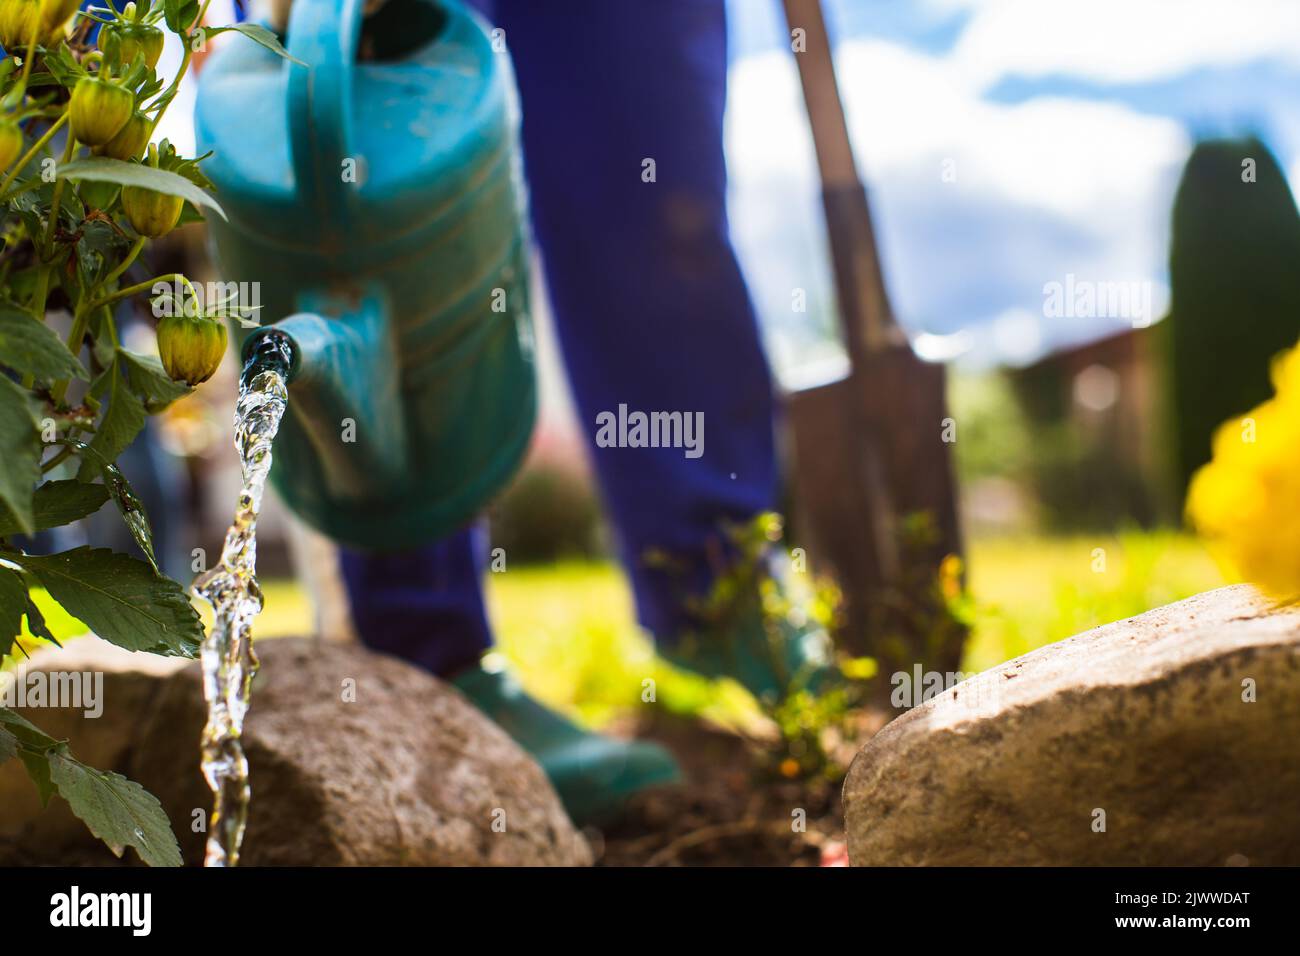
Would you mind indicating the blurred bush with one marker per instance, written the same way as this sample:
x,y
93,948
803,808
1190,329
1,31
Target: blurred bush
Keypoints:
x,y
1234,268
1028,456
993,437
546,514
1084,481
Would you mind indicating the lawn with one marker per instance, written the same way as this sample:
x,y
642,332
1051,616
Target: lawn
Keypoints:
x,y
570,631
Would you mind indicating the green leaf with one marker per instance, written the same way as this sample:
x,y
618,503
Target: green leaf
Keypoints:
x,y
121,599
128,502
179,14
117,810
29,735
37,765
34,746
132,510
36,623
63,66
13,605
105,169
58,503
8,745
28,345
97,195
20,452
150,381
258,34
120,424
101,246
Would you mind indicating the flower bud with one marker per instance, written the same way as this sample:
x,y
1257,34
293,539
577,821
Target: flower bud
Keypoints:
x,y
130,140
151,213
99,110
55,13
19,19
123,40
142,38
191,347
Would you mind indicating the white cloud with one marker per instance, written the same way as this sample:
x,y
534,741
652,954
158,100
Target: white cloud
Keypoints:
x,y
1018,335
1043,188
1122,40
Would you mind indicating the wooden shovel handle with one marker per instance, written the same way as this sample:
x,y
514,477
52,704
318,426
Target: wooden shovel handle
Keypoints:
x,y
864,304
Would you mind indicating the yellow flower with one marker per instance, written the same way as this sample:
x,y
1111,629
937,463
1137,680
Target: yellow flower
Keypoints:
x,y
1245,501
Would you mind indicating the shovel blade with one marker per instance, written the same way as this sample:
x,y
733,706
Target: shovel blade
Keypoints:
x,y
868,454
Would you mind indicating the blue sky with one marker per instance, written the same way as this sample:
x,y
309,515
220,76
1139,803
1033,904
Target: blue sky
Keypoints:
x,y
1062,126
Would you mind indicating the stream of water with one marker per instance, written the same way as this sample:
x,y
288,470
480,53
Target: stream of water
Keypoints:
x,y
231,588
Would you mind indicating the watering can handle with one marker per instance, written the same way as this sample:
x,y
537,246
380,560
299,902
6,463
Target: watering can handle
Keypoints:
x,y
323,34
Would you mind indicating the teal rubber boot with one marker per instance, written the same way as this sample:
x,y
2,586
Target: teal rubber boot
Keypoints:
x,y
594,775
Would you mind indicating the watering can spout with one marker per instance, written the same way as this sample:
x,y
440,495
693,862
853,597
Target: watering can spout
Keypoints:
x,y
343,392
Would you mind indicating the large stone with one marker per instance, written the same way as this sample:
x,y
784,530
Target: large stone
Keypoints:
x,y
1181,725
355,759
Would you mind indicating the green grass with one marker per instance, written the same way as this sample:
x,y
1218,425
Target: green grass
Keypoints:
x,y
1031,591
569,628
571,632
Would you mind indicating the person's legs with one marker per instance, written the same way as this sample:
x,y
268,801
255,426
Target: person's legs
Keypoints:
x,y
424,606
622,108
623,151
650,305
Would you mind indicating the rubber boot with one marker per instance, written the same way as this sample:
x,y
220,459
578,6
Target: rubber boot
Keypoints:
x,y
594,775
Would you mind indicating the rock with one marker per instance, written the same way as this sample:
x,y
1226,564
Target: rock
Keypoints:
x,y
408,773
1146,719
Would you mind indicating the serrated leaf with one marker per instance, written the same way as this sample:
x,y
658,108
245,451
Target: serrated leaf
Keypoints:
x,y
13,605
116,810
62,502
121,599
58,503
129,505
120,424
258,34
150,380
20,452
29,346
34,747
37,765
36,623
105,169
29,735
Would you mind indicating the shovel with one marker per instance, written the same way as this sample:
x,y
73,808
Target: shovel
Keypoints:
x,y
876,502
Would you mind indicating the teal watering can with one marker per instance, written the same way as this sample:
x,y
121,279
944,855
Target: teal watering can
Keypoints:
x,y
379,205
